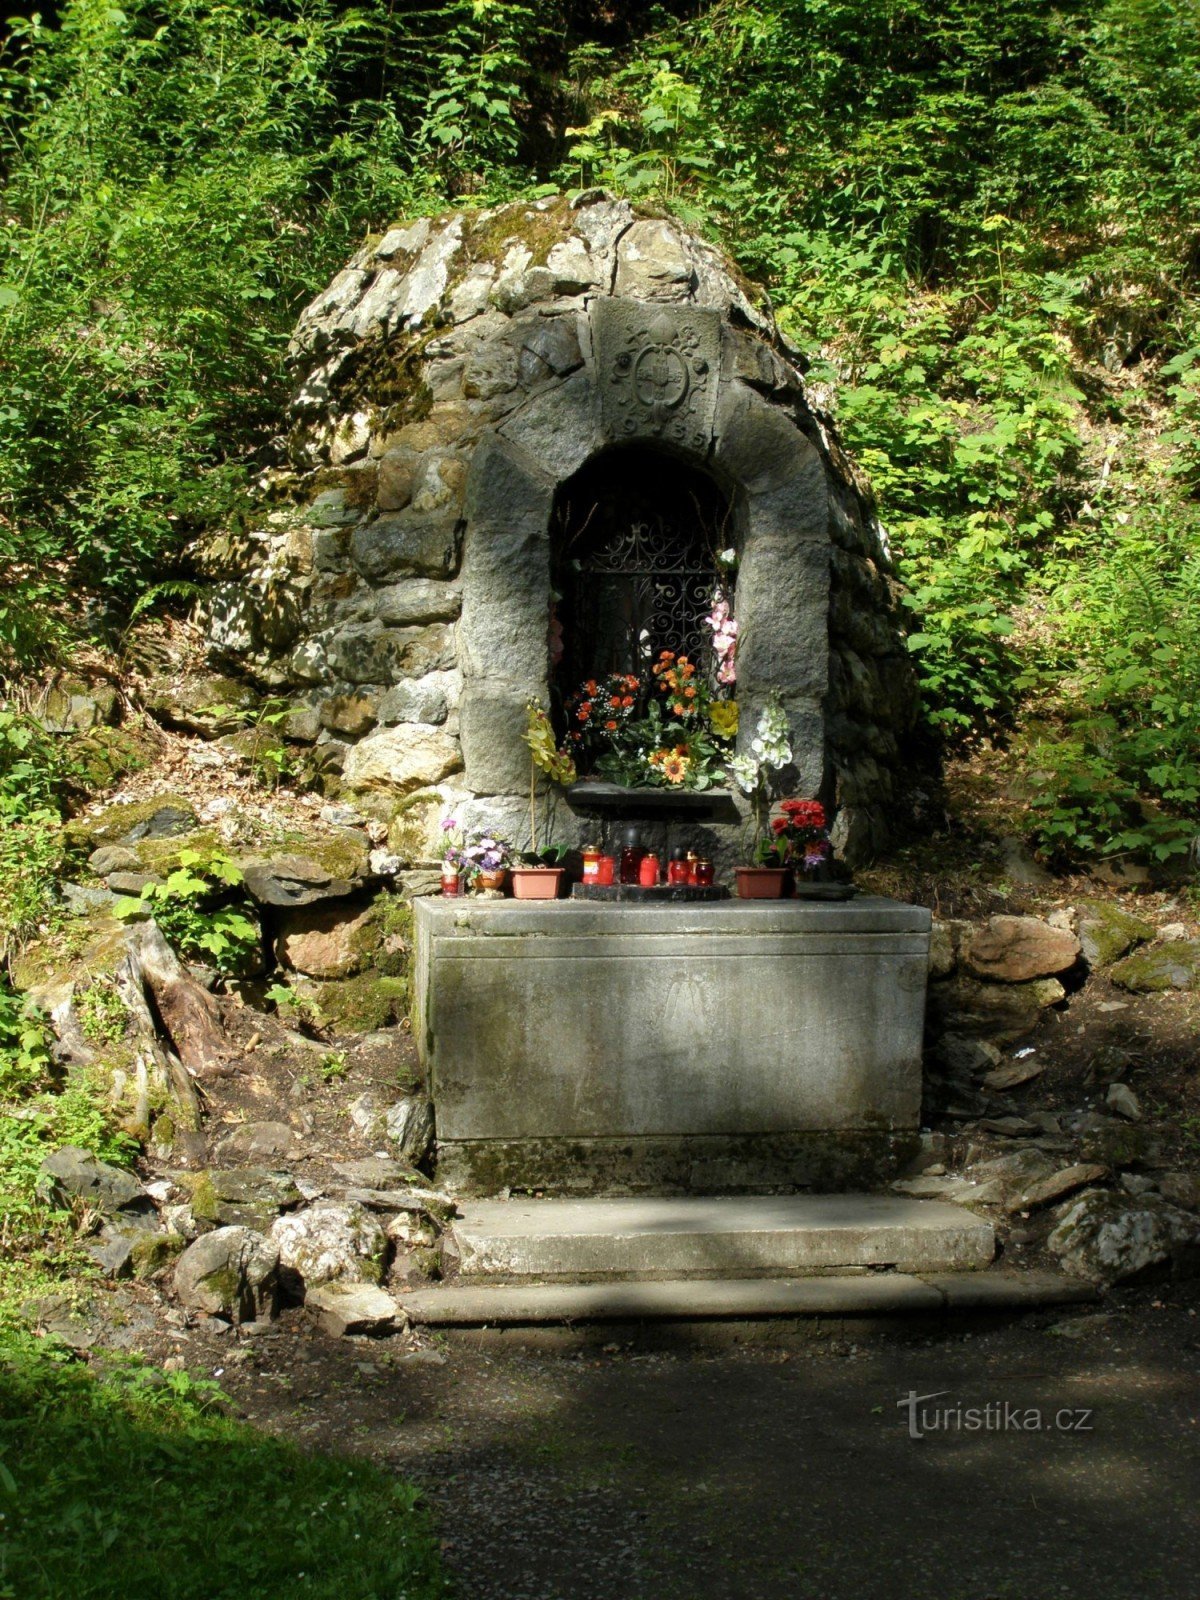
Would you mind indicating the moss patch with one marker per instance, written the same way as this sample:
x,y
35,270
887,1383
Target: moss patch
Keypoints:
x,y
489,239
362,1004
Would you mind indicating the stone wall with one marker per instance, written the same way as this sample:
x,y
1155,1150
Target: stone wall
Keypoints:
x,y
395,587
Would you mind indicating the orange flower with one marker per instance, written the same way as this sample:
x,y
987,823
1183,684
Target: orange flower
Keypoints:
x,y
690,691
610,726
590,686
675,768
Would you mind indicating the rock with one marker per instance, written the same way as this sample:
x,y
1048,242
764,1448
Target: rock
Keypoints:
x,y
1013,1074
1170,932
1020,867
1108,1064
231,1272
965,1056
1182,1189
153,1251
110,858
1121,1099
70,705
942,950
652,263
74,1174
329,868
344,1308
331,1240
1004,1012
1107,1237
409,1126
329,940
427,700
256,1142
1012,1175
1106,932
1017,949
1137,1183
350,714
1117,1143
1081,1327
1013,1127
401,759
207,705
949,1186
377,1172
1045,1191
1122,874
406,543
1171,966
370,1000
250,1197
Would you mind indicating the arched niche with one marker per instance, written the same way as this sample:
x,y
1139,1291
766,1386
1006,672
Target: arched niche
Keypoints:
x,y
640,543
658,382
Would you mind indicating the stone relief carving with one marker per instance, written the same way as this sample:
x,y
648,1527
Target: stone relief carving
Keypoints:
x,y
657,368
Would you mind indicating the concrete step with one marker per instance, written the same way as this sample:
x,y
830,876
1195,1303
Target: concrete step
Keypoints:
x,y
719,1237
740,1299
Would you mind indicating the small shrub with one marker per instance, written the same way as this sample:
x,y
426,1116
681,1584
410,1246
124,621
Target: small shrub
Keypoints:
x,y
200,912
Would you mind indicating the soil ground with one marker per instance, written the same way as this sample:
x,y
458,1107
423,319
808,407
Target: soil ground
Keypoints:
x,y
770,1471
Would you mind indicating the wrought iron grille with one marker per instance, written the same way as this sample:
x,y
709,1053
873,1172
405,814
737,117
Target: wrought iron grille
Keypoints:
x,y
635,539
645,589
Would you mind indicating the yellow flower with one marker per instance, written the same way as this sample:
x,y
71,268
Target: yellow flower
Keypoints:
x,y
723,714
675,768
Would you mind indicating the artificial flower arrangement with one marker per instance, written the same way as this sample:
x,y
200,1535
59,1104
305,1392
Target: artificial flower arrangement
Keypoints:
x,y
798,838
476,857
673,728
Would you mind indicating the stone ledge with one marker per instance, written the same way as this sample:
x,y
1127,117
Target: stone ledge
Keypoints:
x,y
682,1236
876,1295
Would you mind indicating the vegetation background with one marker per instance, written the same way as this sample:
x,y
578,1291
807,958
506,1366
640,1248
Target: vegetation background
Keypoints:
x,y
979,219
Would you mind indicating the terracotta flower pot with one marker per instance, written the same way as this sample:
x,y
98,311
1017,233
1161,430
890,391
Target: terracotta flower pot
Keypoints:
x,y
491,880
761,883
537,883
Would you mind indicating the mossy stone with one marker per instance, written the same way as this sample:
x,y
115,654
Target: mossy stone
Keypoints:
x,y
154,1251
362,1004
1169,966
1106,932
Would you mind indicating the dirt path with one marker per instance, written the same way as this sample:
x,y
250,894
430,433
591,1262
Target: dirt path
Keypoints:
x,y
765,1474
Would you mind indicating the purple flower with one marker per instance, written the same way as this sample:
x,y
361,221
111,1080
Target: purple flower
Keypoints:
x,y
449,825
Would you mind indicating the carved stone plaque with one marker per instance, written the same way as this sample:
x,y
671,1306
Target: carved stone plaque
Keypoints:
x,y
657,369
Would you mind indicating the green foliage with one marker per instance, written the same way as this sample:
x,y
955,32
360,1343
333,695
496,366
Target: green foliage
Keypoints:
x,y
103,1015
978,221
24,1045
76,1454
200,913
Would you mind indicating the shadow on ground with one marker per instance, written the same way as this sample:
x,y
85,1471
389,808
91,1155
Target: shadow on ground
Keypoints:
x,y
766,1474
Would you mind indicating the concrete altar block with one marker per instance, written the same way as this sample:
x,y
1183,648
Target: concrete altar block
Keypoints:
x,y
581,1047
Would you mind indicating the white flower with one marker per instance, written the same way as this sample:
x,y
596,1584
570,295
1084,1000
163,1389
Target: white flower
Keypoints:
x,y
745,769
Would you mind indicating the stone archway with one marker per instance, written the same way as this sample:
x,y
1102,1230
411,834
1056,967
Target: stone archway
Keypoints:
x,y
660,376
449,381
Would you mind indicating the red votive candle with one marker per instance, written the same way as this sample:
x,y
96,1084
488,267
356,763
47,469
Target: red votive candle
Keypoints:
x,y
648,872
450,883
606,871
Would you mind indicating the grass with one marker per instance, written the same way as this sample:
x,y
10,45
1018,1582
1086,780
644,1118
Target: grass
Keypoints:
x,y
133,1486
